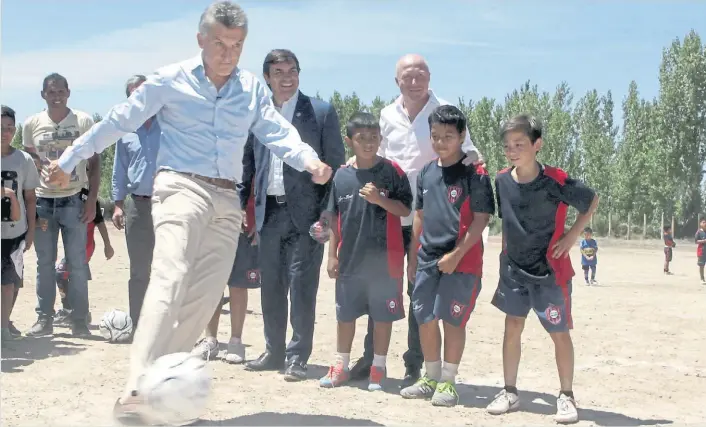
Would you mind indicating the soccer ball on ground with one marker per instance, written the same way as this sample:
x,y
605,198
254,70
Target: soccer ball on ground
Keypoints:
x,y
176,388
116,326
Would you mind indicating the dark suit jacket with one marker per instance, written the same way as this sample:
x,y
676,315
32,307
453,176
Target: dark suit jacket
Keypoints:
x,y
318,125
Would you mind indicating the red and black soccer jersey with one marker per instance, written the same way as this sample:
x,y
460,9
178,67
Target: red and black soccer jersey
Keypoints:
x,y
700,235
449,196
371,238
534,215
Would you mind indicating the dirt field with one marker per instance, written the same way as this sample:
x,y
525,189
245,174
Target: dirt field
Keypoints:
x,y
639,340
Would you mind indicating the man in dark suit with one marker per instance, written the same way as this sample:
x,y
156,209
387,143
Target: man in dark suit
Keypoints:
x,y
286,205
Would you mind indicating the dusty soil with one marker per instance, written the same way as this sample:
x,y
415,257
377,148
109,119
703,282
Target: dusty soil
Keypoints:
x,y
639,340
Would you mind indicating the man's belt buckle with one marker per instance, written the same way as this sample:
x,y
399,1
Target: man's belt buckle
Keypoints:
x,y
280,199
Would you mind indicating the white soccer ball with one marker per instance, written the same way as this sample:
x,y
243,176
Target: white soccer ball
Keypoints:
x,y
176,388
115,326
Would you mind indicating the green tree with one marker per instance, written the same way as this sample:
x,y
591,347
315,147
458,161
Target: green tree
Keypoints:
x,y
17,139
681,115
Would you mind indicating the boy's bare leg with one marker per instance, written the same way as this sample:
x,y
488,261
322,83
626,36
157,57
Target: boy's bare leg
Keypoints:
x,y
339,372
508,399
382,331
238,310
207,347
8,292
512,350
564,353
701,272
430,339
7,295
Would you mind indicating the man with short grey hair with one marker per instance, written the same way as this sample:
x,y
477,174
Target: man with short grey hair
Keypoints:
x,y
206,107
134,167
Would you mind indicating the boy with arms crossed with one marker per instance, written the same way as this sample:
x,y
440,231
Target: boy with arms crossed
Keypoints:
x,y
535,269
454,205
366,251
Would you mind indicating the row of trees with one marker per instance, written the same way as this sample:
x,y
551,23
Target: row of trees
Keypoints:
x,y
648,166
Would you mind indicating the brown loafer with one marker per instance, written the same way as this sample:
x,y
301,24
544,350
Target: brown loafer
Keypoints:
x,y
129,411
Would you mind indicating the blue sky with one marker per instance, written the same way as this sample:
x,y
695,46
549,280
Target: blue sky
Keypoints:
x,y
474,48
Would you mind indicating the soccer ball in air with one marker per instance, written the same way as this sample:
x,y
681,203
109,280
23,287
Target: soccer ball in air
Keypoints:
x,y
116,326
176,389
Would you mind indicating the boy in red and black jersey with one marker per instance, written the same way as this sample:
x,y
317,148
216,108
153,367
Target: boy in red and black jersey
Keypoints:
x,y
454,204
535,269
366,251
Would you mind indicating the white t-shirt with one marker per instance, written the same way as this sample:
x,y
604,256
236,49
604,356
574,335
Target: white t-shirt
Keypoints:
x,y
19,173
50,140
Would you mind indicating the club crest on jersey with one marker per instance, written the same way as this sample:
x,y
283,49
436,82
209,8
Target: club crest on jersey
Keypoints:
x,y
454,193
553,314
391,305
457,308
253,276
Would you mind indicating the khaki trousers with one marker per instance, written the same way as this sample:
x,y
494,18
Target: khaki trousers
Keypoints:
x,y
196,228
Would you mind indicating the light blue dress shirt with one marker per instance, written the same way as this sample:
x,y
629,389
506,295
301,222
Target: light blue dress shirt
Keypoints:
x,y
135,162
203,130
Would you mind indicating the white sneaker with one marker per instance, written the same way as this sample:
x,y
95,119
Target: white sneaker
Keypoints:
x,y
503,403
703,282
566,411
594,282
206,348
236,352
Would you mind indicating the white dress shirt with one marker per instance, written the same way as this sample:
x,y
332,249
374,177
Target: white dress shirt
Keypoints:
x,y
408,143
275,180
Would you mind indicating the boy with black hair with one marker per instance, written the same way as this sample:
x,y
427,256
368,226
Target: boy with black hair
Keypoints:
x,y
589,259
366,250
535,269
19,203
668,245
454,205
700,240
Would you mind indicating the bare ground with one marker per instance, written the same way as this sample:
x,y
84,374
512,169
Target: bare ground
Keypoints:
x,y
639,340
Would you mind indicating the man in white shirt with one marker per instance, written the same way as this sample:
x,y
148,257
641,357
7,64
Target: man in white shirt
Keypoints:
x,y
406,139
61,209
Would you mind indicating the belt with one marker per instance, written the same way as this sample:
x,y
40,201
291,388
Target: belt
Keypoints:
x,y
218,182
137,196
280,200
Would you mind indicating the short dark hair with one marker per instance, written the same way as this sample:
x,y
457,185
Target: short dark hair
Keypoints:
x,y
667,228
528,125
588,230
277,56
702,219
9,113
54,77
361,120
448,115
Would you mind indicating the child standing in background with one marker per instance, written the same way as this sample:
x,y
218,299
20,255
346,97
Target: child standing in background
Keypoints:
x,y
668,245
700,240
589,260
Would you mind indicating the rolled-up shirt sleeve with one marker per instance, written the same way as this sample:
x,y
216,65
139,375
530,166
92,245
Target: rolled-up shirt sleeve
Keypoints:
x,y
468,145
123,118
277,134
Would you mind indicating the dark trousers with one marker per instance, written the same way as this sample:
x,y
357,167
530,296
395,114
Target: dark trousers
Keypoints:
x,y
413,358
139,235
289,263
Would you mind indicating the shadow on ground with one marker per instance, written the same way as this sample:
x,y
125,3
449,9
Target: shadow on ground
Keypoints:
x,y
290,419
25,351
473,396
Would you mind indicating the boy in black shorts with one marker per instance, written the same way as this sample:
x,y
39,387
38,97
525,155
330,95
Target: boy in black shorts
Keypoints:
x,y
454,205
535,269
245,275
366,250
